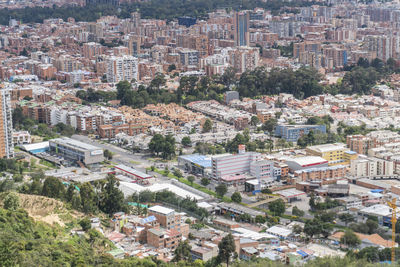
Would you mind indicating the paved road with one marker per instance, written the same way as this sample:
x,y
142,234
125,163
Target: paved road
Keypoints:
x,y
121,155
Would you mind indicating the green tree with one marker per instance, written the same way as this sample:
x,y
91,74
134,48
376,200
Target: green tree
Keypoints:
x,y
112,199
270,125
146,196
168,147
207,126
278,115
171,67
178,173
183,252
166,171
260,219
266,191
186,141
205,181
277,207
108,154
53,187
236,197
297,212
350,239
302,141
11,201
156,144
221,190
297,229
346,218
372,226
226,249
88,198
124,90
70,192
191,179
313,227
85,224
254,121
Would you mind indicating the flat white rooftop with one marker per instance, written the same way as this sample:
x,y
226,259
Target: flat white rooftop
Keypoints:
x,y
308,160
279,231
161,209
74,143
130,188
327,147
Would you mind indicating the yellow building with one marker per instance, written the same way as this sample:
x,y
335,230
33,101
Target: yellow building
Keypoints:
x,y
335,154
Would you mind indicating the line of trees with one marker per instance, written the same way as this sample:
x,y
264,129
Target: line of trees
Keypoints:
x,y
158,9
302,83
102,195
94,96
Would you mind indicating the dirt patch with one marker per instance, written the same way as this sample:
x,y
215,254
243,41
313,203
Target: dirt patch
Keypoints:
x,y
46,209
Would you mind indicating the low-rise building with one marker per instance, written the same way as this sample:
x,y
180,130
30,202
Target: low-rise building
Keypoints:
x,y
21,137
304,163
75,150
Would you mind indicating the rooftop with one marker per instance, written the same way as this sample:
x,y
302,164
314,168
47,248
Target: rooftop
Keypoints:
x,y
161,209
129,188
327,147
308,161
198,159
133,171
290,193
279,231
74,143
236,208
374,239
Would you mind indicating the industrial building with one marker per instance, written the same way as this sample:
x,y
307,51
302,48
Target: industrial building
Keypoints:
x,y
308,162
77,151
131,173
233,164
195,163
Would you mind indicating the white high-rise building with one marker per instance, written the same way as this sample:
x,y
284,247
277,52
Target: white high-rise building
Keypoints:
x,y
122,68
6,129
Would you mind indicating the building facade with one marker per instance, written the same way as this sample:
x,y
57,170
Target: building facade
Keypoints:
x,y
122,68
6,130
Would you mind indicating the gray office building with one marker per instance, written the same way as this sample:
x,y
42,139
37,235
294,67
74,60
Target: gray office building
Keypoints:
x,y
74,150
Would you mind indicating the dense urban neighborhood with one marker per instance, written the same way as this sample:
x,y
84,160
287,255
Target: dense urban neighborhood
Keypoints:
x,y
199,133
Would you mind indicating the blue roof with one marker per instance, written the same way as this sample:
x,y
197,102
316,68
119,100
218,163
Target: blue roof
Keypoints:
x,y
302,253
376,190
148,219
198,159
350,152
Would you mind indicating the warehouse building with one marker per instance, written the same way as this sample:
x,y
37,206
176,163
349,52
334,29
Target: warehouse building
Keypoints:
x,y
195,163
309,162
77,151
